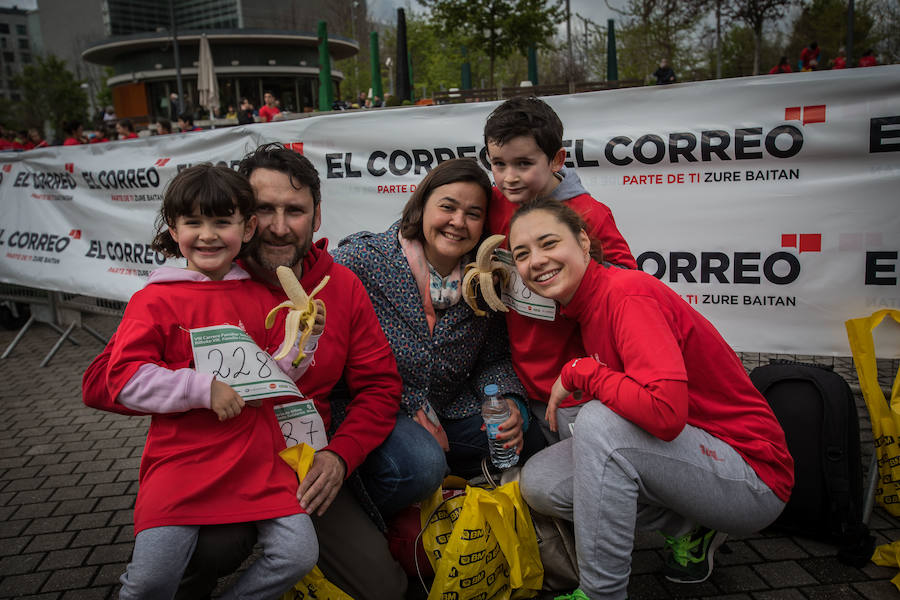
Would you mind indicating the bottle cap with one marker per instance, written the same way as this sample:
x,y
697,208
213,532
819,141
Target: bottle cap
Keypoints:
x,y
491,389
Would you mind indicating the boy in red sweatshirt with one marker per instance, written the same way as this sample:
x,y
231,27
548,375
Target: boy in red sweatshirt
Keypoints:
x,y
524,145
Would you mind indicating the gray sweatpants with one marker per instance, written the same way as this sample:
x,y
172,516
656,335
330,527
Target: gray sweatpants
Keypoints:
x,y
290,550
612,477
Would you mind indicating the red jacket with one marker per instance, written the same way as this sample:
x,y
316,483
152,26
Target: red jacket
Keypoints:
x,y
268,113
867,61
541,348
353,346
195,469
645,343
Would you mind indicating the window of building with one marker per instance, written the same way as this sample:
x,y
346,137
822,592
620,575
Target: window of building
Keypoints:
x,y
15,97
20,29
8,57
25,58
2,42
4,27
23,43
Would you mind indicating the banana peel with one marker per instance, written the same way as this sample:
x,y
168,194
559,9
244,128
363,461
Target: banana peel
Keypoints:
x,y
302,310
480,276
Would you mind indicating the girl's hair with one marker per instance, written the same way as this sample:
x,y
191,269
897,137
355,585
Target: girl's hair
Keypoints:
x,y
564,215
215,191
450,171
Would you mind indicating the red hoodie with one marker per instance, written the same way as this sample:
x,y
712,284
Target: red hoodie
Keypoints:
x,y
644,340
195,469
541,348
353,346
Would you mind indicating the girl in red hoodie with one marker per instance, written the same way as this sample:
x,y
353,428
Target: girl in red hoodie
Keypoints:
x,y
670,435
187,343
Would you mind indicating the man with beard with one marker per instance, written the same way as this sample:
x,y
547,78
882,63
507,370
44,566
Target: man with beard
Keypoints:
x,y
355,387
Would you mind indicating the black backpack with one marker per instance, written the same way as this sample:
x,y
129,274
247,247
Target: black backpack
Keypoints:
x,y
817,411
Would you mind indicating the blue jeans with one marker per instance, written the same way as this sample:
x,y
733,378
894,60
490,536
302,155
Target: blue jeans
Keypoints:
x,y
406,468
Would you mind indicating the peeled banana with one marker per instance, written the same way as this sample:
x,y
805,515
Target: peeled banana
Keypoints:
x,y
301,310
480,275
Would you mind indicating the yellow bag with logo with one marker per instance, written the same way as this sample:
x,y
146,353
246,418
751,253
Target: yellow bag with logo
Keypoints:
x,y
482,545
313,586
885,416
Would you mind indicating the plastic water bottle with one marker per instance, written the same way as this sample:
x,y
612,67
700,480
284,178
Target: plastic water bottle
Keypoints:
x,y
495,411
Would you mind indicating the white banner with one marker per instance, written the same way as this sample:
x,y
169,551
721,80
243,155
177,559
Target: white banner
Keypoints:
x,y
769,203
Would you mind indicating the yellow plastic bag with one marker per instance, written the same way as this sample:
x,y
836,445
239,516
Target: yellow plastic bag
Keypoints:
x,y
482,545
888,555
314,585
885,416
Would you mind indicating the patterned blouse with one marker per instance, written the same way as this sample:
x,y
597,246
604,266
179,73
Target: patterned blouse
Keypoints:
x,y
450,367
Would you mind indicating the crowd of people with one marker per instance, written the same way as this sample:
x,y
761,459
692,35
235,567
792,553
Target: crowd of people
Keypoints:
x,y
108,127
810,60
626,407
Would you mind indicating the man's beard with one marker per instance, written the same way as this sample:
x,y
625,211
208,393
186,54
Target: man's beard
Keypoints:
x,y
271,263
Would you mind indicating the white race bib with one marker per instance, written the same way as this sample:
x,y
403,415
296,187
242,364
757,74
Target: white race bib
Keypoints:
x,y
301,423
234,358
518,297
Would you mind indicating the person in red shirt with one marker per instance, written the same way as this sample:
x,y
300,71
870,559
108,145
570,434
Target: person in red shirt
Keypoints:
x,y
781,67
210,457
268,111
840,61
671,435
524,146
74,133
868,59
808,55
355,386
35,140
186,122
5,144
125,129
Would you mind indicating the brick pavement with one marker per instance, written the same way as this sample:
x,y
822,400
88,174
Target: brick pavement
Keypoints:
x,y
68,478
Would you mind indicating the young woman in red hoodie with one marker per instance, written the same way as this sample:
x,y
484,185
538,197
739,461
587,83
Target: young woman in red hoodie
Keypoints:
x,y
670,435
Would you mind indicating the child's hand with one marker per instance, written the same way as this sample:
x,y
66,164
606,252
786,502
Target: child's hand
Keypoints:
x,y
224,401
319,325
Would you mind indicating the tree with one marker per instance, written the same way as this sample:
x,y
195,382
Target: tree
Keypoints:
x,y
737,51
50,93
104,95
497,27
656,29
886,30
825,21
754,14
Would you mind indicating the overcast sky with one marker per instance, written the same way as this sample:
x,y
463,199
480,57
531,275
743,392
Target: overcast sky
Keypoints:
x,y
26,4
386,10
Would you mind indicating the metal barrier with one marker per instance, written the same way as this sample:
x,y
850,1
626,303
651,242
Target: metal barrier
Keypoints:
x,y
57,310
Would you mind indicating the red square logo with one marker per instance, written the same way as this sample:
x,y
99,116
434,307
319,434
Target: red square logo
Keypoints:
x,y
810,242
814,114
792,113
788,240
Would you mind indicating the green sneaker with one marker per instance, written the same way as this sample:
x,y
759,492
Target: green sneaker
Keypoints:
x,y
691,560
576,595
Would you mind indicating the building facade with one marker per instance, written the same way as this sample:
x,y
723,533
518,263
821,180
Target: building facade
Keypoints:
x,y
258,46
17,48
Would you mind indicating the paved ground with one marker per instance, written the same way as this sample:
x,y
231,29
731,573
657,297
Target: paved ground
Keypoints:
x,y
68,478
